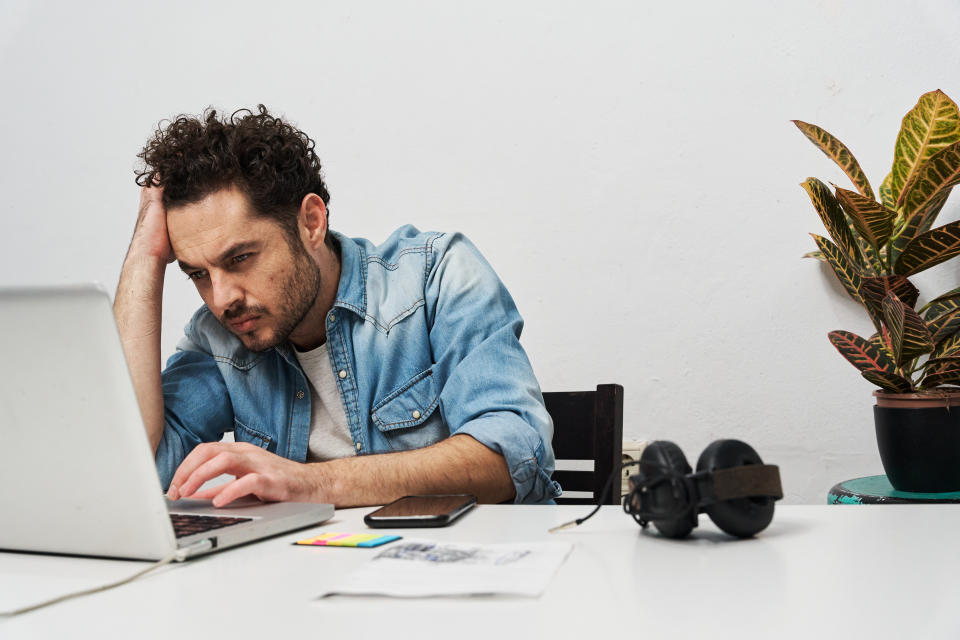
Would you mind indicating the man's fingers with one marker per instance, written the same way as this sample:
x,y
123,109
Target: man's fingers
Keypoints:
x,y
223,462
211,492
252,483
199,455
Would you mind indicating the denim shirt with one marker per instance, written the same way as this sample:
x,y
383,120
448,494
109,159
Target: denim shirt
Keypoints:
x,y
424,343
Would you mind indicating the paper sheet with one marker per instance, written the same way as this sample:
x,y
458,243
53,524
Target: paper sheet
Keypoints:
x,y
419,568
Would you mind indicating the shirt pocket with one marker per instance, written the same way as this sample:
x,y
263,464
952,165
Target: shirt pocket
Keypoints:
x,y
243,433
408,417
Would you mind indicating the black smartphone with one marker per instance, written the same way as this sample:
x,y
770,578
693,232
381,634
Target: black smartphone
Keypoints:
x,y
420,511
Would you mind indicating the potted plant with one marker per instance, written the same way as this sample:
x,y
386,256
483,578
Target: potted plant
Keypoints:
x,y
874,246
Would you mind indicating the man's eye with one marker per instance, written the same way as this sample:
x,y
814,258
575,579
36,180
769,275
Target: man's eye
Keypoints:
x,y
240,258
197,275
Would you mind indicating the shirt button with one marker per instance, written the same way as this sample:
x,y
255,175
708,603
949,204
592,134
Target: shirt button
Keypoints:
x,y
300,395
416,415
359,446
342,374
333,318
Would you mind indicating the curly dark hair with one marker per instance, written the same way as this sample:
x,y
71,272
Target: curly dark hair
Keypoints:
x,y
269,160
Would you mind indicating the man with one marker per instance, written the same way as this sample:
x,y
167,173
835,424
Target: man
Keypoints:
x,y
349,373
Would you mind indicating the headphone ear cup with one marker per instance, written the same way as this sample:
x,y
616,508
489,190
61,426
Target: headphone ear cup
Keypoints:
x,y
741,517
670,456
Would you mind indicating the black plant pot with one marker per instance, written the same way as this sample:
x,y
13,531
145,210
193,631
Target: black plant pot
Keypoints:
x,y
920,447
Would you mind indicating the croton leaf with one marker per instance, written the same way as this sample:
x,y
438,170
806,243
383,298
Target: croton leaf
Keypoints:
x,y
949,347
941,304
906,228
832,217
938,379
846,271
872,256
873,220
934,365
931,125
929,249
886,193
888,381
839,153
875,289
944,326
882,341
928,214
941,371
938,174
863,354
909,335
816,255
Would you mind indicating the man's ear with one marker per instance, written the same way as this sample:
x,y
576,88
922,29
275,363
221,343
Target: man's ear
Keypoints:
x,y
313,220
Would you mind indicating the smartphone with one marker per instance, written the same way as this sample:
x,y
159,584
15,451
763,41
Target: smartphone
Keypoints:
x,y
420,511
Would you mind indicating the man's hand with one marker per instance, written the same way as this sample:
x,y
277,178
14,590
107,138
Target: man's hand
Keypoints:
x,y
258,472
150,237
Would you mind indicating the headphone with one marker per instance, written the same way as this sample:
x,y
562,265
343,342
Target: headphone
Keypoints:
x,y
731,485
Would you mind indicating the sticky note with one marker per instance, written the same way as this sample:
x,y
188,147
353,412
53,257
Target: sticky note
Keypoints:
x,y
348,540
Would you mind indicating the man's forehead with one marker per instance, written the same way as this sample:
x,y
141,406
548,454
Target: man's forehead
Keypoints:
x,y
201,230
216,208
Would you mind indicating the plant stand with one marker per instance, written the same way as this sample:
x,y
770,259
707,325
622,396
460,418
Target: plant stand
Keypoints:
x,y
878,490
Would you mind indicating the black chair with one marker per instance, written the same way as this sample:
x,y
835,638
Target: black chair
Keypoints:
x,y
588,425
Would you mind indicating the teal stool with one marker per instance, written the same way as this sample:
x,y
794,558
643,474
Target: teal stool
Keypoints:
x,y
877,490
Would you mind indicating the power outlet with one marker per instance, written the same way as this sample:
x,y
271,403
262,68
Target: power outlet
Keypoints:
x,y
631,453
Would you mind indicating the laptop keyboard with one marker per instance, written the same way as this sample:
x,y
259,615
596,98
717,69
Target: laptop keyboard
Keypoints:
x,y
187,524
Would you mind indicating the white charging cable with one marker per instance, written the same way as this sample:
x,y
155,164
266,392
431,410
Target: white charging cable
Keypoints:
x,y
177,556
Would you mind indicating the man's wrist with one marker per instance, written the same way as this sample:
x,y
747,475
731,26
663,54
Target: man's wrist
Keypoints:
x,y
142,260
141,279
320,482
139,297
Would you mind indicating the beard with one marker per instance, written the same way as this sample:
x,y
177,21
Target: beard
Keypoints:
x,y
297,295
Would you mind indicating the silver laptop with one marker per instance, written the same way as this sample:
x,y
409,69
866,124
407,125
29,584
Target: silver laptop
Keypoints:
x,y
76,472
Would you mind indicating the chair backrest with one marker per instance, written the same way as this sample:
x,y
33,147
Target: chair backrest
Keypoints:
x,y
587,426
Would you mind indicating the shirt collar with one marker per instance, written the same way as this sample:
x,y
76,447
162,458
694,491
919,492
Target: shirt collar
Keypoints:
x,y
352,290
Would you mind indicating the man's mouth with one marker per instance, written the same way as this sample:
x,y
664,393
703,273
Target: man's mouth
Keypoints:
x,y
244,324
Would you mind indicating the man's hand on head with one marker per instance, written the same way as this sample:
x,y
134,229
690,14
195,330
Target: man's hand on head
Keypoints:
x,y
150,238
259,473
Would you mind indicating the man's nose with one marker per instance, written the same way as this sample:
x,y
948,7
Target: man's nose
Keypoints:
x,y
226,290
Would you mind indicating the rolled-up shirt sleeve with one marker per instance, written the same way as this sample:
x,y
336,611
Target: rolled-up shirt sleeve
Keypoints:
x,y
489,391
196,407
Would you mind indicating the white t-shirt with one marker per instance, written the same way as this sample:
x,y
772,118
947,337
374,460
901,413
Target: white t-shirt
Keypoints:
x,y
329,433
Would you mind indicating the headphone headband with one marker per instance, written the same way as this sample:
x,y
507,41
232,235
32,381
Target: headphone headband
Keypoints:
x,y
749,481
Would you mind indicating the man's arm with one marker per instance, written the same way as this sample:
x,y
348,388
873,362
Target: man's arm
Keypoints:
x,y
458,464
137,306
489,391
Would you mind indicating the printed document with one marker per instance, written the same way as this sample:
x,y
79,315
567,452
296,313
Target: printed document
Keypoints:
x,y
419,568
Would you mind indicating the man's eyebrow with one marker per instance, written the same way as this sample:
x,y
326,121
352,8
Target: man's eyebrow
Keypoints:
x,y
237,249
234,249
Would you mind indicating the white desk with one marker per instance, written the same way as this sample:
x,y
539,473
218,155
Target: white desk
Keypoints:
x,y
885,571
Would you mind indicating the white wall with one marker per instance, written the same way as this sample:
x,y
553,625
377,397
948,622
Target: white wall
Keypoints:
x,y
629,169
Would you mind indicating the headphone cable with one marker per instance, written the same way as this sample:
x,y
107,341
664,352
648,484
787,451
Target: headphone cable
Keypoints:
x,y
603,496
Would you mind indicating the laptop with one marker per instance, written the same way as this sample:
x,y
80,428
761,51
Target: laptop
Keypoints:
x,y
77,475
